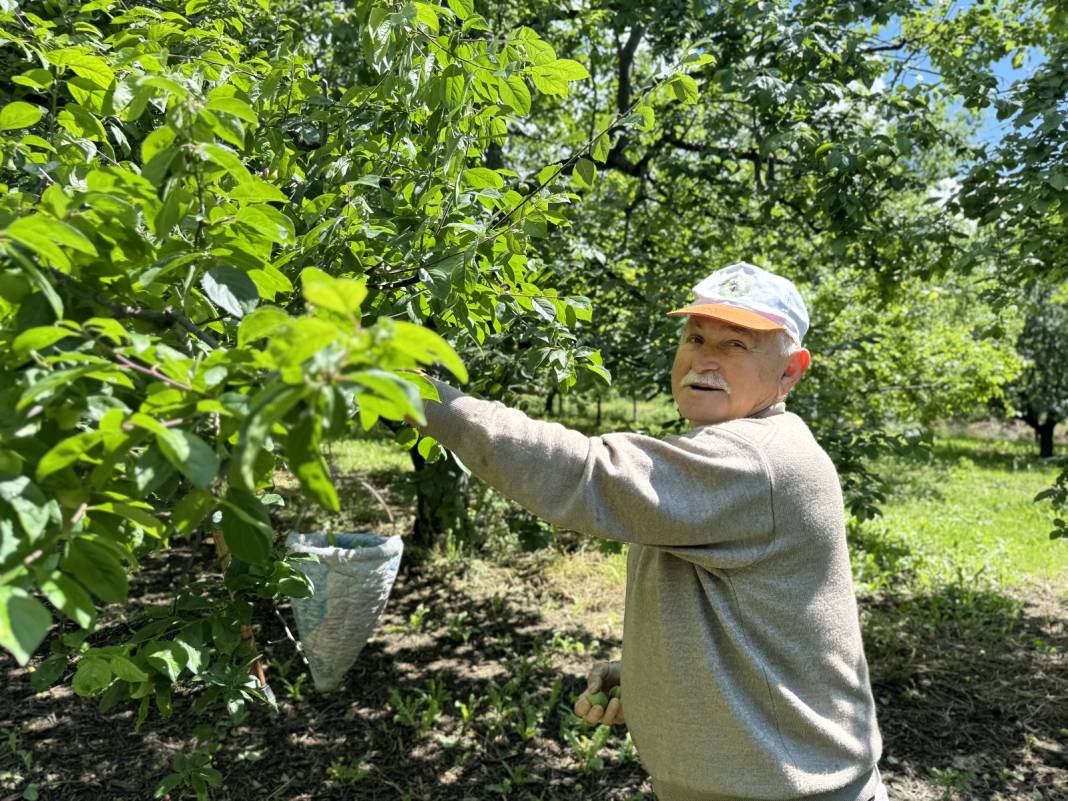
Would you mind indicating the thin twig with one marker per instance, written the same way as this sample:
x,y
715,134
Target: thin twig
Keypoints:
x,y
378,496
293,639
151,371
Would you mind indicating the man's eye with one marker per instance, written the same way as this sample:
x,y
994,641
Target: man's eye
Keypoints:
x,y
738,344
694,338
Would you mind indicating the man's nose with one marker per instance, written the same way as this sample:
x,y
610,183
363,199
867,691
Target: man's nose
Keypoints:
x,y
706,360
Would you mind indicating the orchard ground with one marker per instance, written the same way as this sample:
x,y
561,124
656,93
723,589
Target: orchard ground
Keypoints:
x,y
464,691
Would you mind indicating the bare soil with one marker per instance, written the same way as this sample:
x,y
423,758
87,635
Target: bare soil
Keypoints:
x,y
971,688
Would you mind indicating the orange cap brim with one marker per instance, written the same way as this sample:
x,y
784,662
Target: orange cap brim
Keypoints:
x,y
729,314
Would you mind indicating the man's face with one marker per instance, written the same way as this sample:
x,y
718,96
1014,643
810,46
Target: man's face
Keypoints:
x,y
723,372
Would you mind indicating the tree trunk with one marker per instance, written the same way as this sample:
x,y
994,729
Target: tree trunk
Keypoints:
x,y
598,424
1044,433
549,401
441,501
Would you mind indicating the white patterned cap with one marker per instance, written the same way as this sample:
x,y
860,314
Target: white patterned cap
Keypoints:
x,y
746,295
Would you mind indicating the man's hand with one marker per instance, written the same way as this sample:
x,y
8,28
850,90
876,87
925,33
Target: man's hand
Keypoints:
x,y
601,703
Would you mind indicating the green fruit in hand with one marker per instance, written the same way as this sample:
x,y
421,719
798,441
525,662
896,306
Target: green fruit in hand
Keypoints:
x,y
616,692
599,699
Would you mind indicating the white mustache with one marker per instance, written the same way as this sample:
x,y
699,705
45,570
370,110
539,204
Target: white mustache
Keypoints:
x,y
714,380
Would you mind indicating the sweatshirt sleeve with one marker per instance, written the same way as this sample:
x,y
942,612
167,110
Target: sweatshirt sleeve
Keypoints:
x,y
707,488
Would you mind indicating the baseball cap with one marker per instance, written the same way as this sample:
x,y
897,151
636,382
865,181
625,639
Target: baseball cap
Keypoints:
x,y
746,295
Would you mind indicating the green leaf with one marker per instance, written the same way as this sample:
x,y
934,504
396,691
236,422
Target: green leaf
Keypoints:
x,y
647,117
427,347
269,222
92,68
231,290
426,447
92,676
267,407
234,106
514,93
246,527
190,512
402,398
537,49
548,173
302,339
19,115
124,668
36,78
40,337
227,159
193,457
38,278
462,8
343,295
602,146
261,323
425,15
685,89
306,460
553,78
571,70
165,657
256,190
695,60
97,567
58,379
483,178
24,622
28,233
32,509
584,175
70,598
81,122
156,142
48,672
134,514
38,226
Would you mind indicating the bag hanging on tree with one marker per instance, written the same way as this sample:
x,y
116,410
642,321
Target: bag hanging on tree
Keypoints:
x,y
350,586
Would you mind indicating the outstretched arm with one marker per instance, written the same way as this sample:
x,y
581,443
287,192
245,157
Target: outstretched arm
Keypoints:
x,y
672,492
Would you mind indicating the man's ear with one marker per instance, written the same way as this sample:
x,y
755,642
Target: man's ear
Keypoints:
x,y
796,366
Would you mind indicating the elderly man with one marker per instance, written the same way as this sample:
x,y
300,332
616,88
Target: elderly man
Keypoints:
x,y
743,670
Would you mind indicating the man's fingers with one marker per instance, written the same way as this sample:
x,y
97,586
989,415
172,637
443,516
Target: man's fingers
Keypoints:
x,y
594,715
582,706
613,715
591,713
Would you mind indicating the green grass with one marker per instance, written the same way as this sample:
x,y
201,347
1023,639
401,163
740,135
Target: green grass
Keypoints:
x,y
966,508
370,456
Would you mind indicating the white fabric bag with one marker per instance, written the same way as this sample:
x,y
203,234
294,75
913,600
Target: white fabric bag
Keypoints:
x,y
350,586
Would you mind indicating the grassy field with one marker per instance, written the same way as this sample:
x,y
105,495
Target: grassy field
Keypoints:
x,y
967,506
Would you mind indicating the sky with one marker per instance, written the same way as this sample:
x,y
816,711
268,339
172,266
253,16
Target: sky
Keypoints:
x,y
990,129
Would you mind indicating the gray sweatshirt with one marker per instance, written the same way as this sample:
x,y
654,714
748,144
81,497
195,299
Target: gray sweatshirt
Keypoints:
x,y
743,671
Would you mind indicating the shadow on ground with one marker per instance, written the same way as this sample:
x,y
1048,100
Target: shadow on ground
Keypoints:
x,y
464,693
971,687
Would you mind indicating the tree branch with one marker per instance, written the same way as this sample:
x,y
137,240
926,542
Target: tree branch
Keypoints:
x,y
898,45
168,317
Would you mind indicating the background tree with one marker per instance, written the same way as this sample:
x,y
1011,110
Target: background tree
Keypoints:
x,y
1042,389
801,144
